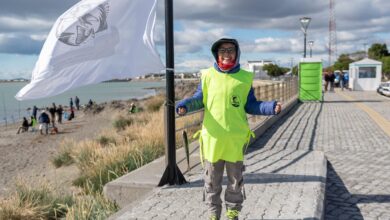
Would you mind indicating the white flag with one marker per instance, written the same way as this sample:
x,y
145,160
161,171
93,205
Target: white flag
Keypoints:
x,y
94,41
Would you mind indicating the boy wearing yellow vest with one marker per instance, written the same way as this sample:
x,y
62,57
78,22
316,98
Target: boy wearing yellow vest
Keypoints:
x,y
226,94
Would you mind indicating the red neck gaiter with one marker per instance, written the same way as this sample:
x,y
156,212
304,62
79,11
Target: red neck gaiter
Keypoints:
x,y
225,66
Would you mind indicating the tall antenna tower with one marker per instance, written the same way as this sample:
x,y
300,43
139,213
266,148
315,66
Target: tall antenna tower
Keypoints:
x,y
332,34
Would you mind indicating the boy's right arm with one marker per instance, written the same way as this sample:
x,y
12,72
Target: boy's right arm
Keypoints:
x,y
191,104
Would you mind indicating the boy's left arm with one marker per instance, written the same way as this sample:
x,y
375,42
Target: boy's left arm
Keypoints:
x,y
255,107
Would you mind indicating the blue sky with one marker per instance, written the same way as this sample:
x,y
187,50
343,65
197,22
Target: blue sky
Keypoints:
x,y
267,30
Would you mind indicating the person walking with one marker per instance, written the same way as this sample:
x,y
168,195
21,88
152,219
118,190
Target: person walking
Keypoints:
x,y
327,79
332,78
77,102
226,94
341,80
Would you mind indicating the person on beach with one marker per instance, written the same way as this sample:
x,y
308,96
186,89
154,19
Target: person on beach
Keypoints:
x,y
226,94
53,110
33,123
71,114
71,103
133,109
77,102
90,103
60,111
24,126
44,122
34,111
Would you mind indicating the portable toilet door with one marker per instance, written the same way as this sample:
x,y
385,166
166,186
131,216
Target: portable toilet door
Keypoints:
x,y
310,80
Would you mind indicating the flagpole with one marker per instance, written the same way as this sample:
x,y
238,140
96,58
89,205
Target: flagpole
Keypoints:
x,y
172,174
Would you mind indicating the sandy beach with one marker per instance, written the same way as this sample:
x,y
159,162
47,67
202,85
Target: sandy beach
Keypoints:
x,y
27,155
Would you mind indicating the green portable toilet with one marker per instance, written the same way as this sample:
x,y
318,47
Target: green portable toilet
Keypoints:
x,y
310,79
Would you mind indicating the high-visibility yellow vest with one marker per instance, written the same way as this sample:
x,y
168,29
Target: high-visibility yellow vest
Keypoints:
x,y
225,127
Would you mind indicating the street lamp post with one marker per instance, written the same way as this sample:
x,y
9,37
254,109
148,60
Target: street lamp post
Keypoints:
x,y
305,21
311,45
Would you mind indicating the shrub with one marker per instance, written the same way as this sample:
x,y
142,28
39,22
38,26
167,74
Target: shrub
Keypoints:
x,y
91,207
38,203
104,140
121,123
154,104
64,156
115,162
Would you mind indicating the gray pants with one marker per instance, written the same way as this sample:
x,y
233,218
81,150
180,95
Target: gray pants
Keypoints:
x,y
213,175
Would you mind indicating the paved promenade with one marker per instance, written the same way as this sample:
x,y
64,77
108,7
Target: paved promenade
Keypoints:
x,y
286,167
358,183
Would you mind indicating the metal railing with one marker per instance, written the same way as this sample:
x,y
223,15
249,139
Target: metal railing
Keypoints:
x,y
282,91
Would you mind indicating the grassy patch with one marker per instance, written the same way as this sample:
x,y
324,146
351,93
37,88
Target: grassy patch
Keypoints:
x,y
91,207
104,140
35,203
108,164
121,123
64,156
154,103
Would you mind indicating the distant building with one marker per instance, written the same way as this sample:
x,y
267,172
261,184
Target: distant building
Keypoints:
x,y
365,75
257,68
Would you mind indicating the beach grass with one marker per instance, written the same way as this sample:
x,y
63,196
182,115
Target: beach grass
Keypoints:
x,y
133,141
155,103
121,123
35,203
90,206
119,151
138,144
64,155
106,140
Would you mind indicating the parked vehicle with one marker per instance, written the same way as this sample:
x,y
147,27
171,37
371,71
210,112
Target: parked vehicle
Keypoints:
x,y
384,88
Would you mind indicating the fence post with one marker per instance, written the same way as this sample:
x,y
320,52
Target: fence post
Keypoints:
x,y
257,92
288,89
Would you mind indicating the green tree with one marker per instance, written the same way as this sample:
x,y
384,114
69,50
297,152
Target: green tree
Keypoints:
x,y
342,62
377,51
386,66
295,70
273,70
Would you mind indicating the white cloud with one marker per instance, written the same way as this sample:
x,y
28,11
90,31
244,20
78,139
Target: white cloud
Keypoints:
x,y
38,37
270,44
22,24
194,64
198,23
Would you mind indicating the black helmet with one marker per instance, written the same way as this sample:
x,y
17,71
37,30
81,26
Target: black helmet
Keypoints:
x,y
214,48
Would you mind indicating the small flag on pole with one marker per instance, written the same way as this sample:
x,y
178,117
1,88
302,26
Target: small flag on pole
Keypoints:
x,y
95,41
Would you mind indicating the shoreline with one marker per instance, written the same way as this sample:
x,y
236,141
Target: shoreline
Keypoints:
x,y
181,86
